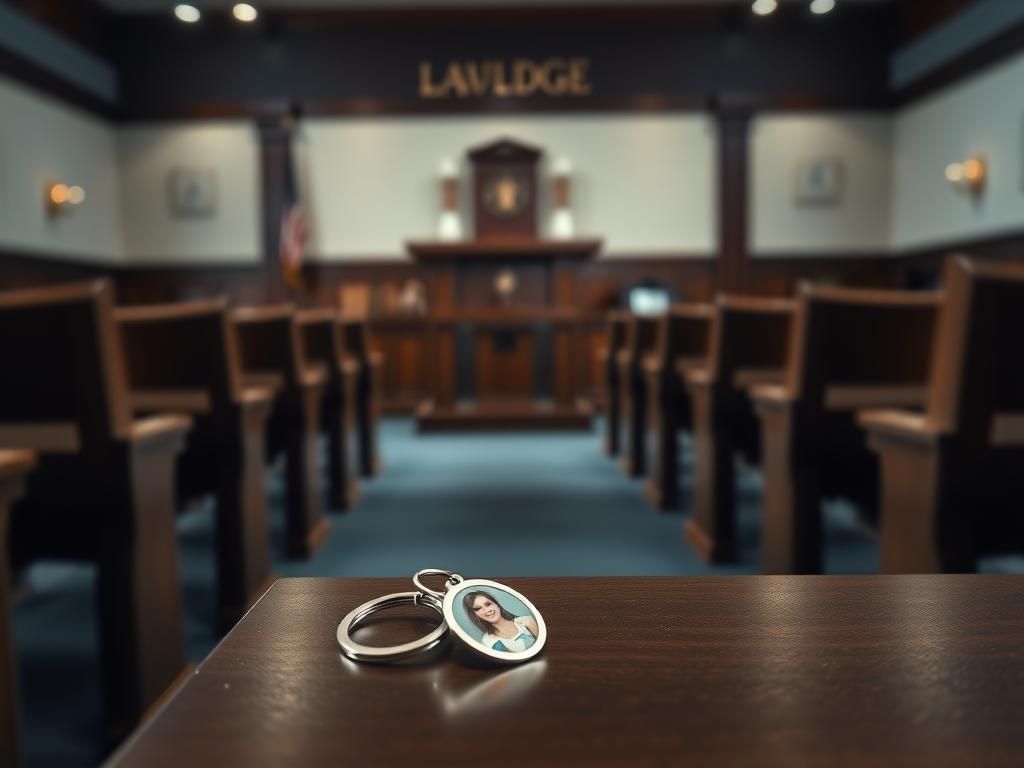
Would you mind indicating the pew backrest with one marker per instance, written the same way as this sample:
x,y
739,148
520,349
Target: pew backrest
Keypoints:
x,y
355,338
750,340
683,336
858,341
641,339
63,387
322,339
269,345
977,380
187,346
618,329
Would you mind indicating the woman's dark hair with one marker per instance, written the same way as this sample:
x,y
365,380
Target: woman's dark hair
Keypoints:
x,y
467,603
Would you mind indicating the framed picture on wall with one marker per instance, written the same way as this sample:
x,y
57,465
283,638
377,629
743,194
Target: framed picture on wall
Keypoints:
x,y
193,192
819,181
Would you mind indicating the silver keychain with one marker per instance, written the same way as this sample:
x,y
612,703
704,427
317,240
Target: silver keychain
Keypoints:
x,y
487,619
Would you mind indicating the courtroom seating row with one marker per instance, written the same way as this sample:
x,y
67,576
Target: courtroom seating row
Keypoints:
x,y
131,412
911,405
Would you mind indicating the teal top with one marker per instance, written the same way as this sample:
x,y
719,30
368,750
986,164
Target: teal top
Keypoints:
x,y
523,639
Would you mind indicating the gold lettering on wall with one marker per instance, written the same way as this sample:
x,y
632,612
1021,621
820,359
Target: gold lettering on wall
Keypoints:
x,y
520,78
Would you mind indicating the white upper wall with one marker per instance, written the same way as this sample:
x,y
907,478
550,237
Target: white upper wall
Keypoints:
x,y
857,222
152,231
982,114
43,140
644,183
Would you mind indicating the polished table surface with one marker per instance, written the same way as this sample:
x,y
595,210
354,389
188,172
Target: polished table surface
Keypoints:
x,y
760,670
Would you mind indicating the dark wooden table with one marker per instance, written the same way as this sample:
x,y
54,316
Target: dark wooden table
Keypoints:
x,y
769,670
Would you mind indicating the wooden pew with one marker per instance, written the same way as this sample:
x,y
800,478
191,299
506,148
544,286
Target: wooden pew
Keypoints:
x,y
749,343
183,357
356,340
850,350
618,324
13,467
272,355
323,345
682,344
953,476
104,487
641,336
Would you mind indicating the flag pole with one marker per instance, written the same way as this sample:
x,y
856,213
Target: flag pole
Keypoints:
x,y
276,131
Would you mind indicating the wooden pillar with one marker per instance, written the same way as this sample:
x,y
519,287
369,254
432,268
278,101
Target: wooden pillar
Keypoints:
x,y
733,116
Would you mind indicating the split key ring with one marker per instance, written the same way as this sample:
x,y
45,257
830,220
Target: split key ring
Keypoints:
x,y
358,616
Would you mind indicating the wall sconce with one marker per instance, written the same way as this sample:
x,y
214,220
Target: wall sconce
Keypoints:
x,y
968,176
450,225
58,198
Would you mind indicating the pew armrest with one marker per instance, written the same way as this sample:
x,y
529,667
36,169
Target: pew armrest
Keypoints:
x,y
157,428
47,437
15,462
699,378
901,426
744,378
263,380
313,377
771,395
652,364
252,396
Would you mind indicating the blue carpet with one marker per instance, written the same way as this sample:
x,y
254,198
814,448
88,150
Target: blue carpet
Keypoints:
x,y
482,505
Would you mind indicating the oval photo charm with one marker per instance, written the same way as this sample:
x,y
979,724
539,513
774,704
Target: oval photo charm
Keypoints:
x,y
494,621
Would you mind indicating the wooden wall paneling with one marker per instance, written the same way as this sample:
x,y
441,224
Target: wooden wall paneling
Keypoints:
x,y
442,296
564,282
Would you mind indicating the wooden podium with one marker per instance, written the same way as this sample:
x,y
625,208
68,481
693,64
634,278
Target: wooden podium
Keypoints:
x,y
504,341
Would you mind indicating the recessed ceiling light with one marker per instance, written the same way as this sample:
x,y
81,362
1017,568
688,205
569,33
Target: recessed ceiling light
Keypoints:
x,y
764,7
245,12
822,6
187,13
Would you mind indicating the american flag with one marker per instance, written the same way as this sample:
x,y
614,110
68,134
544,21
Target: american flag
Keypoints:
x,y
294,229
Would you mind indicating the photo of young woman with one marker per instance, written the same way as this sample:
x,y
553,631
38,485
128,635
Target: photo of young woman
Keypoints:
x,y
501,629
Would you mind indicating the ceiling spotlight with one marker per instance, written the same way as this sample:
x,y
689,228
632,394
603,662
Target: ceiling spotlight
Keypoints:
x,y
244,12
764,7
822,6
187,13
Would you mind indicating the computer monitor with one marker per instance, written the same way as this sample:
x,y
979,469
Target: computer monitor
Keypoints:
x,y
648,298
